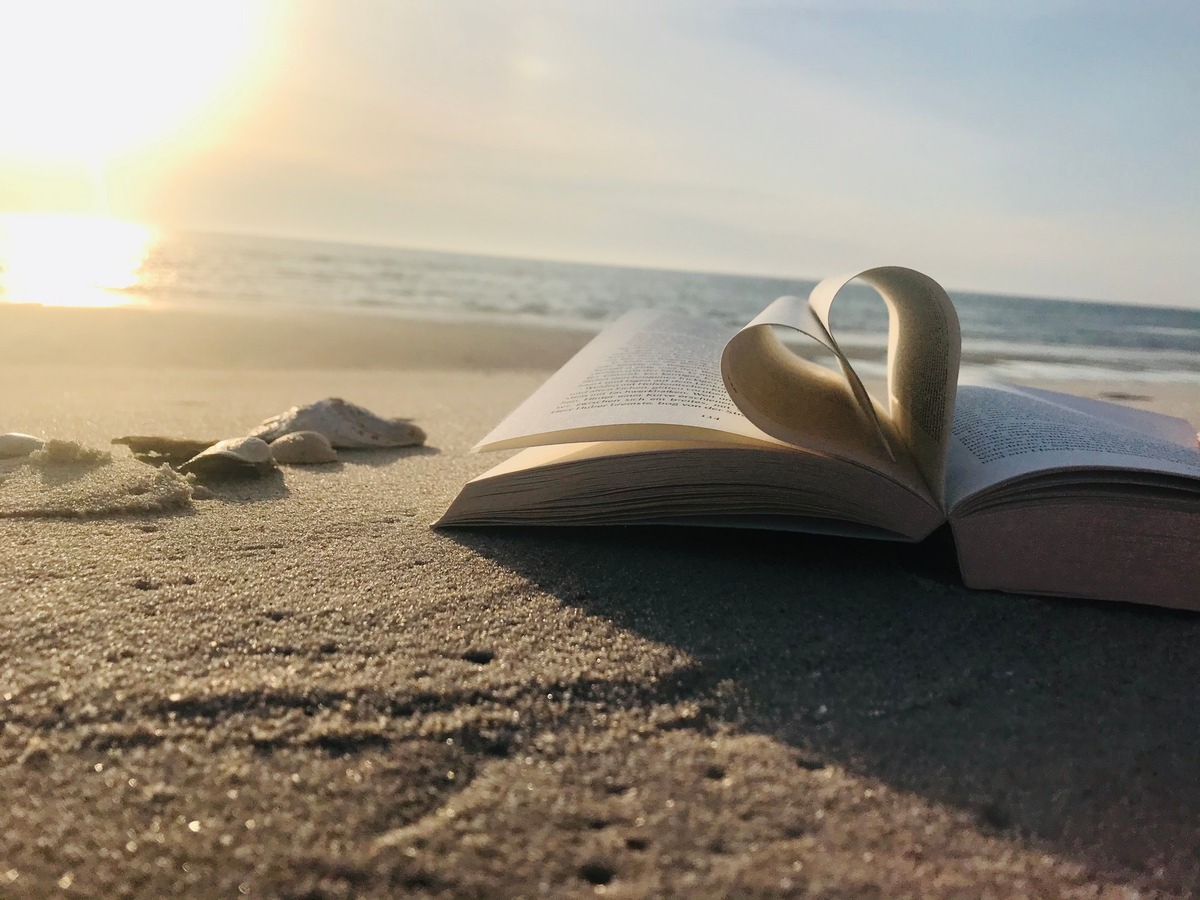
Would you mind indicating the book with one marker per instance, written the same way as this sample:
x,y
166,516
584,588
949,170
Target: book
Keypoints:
x,y
669,419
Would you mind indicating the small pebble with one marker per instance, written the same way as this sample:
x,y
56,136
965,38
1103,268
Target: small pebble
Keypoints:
x,y
303,448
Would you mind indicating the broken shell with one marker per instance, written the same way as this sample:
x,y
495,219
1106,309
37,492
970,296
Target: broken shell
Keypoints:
x,y
232,458
155,450
302,448
15,444
345,424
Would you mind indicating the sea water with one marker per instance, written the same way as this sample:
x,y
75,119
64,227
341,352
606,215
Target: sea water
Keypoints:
x,y
1005,336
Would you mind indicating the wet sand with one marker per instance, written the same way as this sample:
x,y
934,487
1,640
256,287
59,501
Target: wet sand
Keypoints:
x,y
297,688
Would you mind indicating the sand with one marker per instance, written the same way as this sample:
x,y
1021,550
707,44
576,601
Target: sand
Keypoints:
x,y
296,688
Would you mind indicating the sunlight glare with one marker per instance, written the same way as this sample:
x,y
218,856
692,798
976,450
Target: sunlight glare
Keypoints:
x,y
81,82
70,260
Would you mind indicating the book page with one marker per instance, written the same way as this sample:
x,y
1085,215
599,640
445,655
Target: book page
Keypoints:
x,y
657,376
1167,428
692,483
1001,433
923,360
648,376
763,375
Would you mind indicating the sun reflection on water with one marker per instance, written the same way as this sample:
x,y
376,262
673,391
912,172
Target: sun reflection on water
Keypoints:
x,y
71,260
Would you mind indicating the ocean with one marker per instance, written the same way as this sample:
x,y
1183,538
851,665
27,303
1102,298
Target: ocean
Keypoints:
x,y
1003,336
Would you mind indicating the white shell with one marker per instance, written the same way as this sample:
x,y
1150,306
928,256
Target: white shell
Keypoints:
x,y
345,424
303,448
15,444
233,457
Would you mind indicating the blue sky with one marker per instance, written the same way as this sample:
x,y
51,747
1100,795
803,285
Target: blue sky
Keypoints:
x,y
1048,148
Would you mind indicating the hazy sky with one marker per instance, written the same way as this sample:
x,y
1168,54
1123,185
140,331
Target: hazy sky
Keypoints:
x,y
1043,147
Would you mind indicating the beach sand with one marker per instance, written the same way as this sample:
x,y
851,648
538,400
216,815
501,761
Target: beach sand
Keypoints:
x,y
297,688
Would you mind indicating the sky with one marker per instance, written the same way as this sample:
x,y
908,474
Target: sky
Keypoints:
x,y
1045,148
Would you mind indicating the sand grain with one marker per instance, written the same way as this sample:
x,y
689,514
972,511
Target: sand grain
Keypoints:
x,y
297,687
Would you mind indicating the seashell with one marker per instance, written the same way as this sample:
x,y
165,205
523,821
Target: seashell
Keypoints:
x,y
345,424
156,450
233,458
303,448
15,444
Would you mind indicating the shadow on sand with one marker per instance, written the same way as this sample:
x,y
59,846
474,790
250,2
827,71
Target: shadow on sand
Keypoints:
x,y
251,488
1069,722
379,457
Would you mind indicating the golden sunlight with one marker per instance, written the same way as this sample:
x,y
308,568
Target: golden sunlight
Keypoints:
x,y
91,80
70,260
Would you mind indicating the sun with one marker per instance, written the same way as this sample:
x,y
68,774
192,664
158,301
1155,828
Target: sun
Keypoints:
x,y
81,82
71,260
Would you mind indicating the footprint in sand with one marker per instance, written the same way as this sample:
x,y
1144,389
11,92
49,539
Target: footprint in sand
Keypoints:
x,y
66,479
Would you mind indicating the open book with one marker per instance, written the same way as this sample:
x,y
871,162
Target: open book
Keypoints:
x,y
667,419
